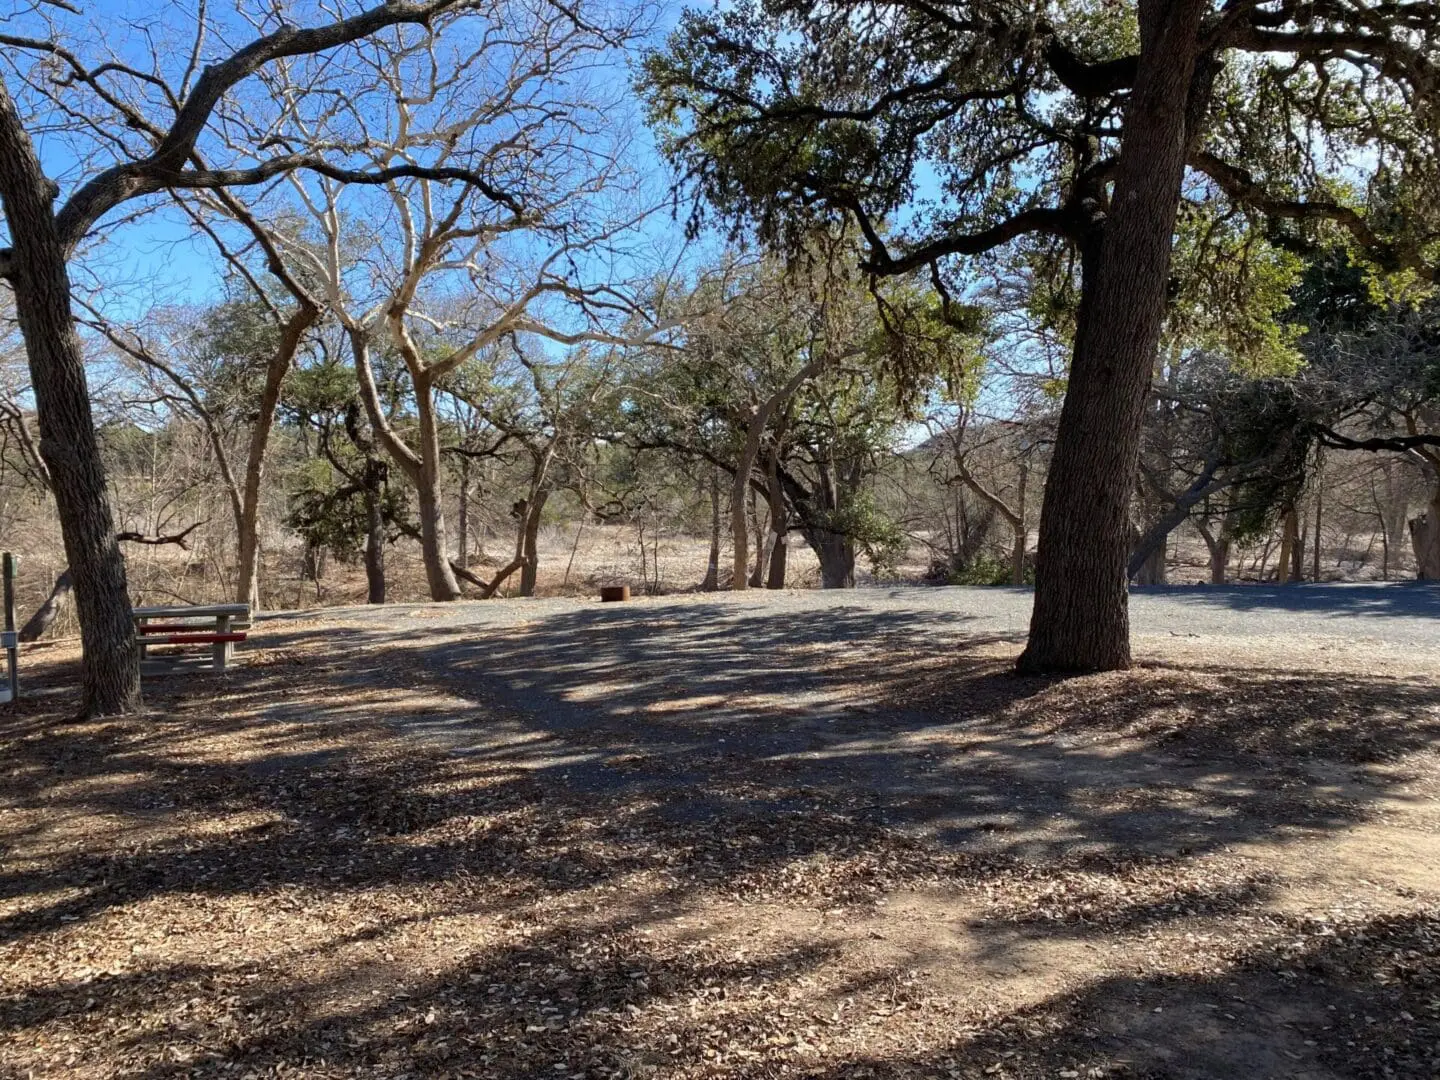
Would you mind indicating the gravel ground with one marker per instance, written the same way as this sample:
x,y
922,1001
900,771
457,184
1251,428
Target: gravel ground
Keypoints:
x,y
1403,613
842,691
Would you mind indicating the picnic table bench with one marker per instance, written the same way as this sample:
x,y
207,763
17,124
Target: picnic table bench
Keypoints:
x,y
218,625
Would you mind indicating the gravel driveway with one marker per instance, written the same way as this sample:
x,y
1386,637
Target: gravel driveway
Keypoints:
x,y
1402,613
693,686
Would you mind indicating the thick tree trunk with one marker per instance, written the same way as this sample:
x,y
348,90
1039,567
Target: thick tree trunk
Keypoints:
x,y
1425,540
46,614
1081,619
434,546
110,679
247,585
836,553
1152,570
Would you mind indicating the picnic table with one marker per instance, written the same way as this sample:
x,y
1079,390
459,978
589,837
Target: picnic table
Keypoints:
x,y
218,625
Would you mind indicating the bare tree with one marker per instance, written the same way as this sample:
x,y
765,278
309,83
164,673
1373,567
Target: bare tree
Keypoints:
x,y
159,123
505,180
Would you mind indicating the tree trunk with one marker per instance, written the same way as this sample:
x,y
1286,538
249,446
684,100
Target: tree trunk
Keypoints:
x,y
1081,619
422,469
1290,548
49,611
433,544
779,556
375,532
247,585
711,581
1154,538
110,677
754,432
464,512
739,501
1425,540
1015,518
762,542
836,553
530,543
1219,549
1152,570
779,522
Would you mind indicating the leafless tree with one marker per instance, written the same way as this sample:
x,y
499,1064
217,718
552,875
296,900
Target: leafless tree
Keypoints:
x,y
143,124
506,182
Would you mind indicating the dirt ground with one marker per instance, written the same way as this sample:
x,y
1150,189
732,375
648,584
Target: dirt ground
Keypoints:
x,y
373,853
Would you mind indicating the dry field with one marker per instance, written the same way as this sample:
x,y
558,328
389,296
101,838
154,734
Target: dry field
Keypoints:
x,y
376,850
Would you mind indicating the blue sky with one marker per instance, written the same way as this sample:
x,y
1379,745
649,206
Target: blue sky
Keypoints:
x,y
159,258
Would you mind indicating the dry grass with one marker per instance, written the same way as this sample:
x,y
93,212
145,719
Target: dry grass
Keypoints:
x,y
264,876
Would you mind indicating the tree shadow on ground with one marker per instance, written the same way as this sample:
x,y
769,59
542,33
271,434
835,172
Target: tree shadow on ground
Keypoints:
x,y
1418,599
575,793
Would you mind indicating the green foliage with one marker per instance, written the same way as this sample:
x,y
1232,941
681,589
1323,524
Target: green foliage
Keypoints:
x,y
979,142
922,339
328,511
986,569
1267,420
874,534
234,342
1233,291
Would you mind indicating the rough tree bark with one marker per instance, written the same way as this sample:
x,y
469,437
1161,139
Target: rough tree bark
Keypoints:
x,y
1425,540
41,282
1081,618
836,553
